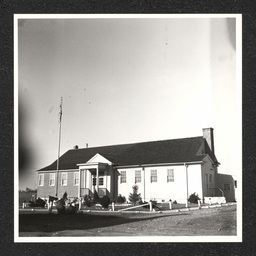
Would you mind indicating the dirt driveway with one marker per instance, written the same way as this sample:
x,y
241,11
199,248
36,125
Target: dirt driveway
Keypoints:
x,y
219,221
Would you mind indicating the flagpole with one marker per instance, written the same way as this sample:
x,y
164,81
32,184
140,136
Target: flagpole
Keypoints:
x,y
58,159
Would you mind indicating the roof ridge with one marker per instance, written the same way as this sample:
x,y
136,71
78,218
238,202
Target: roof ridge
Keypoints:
x,y
136,143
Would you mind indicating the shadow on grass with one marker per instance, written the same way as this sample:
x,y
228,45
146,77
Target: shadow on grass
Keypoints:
x,y
55,222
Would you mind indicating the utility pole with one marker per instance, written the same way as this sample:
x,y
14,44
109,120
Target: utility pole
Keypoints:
x,y
57,171
186,184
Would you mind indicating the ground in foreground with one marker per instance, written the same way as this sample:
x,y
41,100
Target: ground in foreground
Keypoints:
x,y
219,221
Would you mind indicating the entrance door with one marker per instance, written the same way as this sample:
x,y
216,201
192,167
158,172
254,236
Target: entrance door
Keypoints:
x,y
102,189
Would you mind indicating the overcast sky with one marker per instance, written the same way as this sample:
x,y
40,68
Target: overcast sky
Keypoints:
x,y
124,81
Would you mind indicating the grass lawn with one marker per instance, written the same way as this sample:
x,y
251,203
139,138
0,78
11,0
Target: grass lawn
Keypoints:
x,y
214,221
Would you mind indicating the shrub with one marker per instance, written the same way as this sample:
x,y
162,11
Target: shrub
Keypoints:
x,y
193,198
40,202
121,199
96,197
31,204
87,201
135,197
174,202
105,201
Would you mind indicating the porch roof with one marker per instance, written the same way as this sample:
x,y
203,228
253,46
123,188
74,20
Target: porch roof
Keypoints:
x,y
154,152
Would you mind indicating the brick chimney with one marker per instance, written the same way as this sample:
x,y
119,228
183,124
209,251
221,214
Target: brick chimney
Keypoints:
x,y
208,135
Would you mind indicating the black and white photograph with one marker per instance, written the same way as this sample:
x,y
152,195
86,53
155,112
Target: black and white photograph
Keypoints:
x,y
128,128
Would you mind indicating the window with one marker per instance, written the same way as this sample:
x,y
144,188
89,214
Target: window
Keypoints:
x,y
153,176
76,178
41,180
52,179
64,179
137,176
123,176
170,175
210,177
101,181
226,186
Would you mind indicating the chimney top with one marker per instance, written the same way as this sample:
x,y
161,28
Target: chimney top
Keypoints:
x,y
75,147
208,135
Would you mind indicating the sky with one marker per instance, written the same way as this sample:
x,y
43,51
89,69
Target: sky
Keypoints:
x,y
125,80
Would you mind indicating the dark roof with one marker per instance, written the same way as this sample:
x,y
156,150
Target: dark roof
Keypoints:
x,y
155,152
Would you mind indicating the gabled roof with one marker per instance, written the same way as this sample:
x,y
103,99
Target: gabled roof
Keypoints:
x,y
154,152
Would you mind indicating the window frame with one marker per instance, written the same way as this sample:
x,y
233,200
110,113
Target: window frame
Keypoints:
x,y
153,176
76,178
137,176
210,178
50,179
123,178
61,183
101,179
170,175
41,184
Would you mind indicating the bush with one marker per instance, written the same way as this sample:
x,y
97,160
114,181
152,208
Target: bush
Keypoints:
x,y
105,201
174,202
96,197
134,197
88,201
121,199
40,202
193,198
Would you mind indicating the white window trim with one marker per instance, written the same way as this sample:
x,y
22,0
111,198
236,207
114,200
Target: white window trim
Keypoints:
x,y
101,177
41,175
78,178
139,176
171,176
124,172
64,179
151,176
51,185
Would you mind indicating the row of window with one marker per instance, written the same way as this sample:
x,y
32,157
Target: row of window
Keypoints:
x,y
153,176
63,180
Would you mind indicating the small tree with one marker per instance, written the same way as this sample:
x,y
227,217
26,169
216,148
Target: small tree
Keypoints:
x,y
193,198
134,197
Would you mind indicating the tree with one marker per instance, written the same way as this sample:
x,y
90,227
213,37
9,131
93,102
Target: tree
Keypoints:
x,y
134,197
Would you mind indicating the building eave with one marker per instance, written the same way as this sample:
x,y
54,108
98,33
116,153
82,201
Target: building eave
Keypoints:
x,y
158,164
63,170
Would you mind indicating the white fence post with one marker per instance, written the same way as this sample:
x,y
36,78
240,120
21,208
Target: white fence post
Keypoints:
x,y
113,206
50,206
150,206
80,204
199,204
